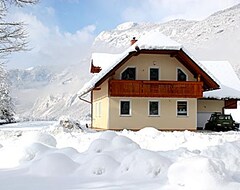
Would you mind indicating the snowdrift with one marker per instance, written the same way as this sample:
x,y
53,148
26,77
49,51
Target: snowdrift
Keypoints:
x,y
53,158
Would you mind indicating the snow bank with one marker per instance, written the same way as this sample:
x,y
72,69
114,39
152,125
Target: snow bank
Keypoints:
x,y
198,173
147,159
54,164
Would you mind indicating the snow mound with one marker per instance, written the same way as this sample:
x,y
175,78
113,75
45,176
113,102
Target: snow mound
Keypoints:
x,y
115,160
100,165
206,174
108,135
99,145
55,164
144,163
46,139
122,142
231,159
149,131
110,141
34,151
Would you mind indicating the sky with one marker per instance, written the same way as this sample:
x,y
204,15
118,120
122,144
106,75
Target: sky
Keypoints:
x,y
62,31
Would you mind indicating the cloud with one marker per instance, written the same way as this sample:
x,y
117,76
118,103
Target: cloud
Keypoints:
x,y
165,10
50,45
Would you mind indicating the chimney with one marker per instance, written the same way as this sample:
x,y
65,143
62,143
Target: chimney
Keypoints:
x,y
133,41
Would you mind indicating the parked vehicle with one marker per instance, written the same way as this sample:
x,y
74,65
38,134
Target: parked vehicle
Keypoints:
x,y
221,122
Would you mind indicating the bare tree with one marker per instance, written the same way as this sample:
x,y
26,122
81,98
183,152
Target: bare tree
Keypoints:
x,y
13,38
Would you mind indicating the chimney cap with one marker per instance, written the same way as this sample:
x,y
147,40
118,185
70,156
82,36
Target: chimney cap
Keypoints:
x,y
133,40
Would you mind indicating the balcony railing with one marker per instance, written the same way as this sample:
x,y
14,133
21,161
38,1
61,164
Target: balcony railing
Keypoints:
x,y
144,88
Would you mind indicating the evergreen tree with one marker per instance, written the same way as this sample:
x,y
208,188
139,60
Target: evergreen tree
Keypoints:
x,y
6,105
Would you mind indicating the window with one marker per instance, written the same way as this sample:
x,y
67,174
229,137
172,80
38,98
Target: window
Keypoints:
x,y
154,74
129,74
182,108
153,108
125,108
181,76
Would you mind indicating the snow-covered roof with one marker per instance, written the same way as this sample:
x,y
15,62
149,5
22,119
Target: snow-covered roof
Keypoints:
x,y
104,60
157,41
152,40
226,77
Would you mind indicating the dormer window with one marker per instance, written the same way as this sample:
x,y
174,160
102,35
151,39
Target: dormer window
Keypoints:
x,y
129,74
181,75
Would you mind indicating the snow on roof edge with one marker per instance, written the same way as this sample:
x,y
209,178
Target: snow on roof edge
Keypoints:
x,y
201,65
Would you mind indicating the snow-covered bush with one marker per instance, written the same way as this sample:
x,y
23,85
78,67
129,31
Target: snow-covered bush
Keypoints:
x,y
69,123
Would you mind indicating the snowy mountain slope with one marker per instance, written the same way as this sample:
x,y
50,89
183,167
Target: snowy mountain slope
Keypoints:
x,y
49,92
199,37
43,93
30,78
183,31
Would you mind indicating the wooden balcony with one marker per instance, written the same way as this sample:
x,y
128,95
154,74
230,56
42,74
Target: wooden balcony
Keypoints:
x,y
146,88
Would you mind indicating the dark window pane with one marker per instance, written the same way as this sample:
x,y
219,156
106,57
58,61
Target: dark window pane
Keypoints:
x,y
182,108
125,108
181,75
154,74
129,74
153,108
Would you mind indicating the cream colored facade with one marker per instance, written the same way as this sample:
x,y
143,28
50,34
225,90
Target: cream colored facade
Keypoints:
x,y
167,67
210,105
106,110
139,118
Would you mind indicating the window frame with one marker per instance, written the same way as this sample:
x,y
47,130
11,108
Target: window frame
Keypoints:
x,y
131,67
187,112
130,108
183,72
149,114
149,73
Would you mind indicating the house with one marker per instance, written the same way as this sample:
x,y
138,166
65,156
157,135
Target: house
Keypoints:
x,y
157,83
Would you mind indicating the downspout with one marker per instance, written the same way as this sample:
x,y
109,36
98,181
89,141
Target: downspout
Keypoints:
x,y
90,102
91,109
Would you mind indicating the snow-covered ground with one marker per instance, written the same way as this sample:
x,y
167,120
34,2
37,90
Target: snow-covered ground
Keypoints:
x,y
42,155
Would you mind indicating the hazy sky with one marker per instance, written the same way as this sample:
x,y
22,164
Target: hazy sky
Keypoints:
x,y
62,31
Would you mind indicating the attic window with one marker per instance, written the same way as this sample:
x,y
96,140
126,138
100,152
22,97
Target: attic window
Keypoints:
x,y
181,76
129,74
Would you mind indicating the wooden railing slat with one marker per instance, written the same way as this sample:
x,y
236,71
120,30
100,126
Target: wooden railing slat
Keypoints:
x,y
142,88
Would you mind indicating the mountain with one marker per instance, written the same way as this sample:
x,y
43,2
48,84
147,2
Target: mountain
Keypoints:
x,y
215,38
50,92
47,93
